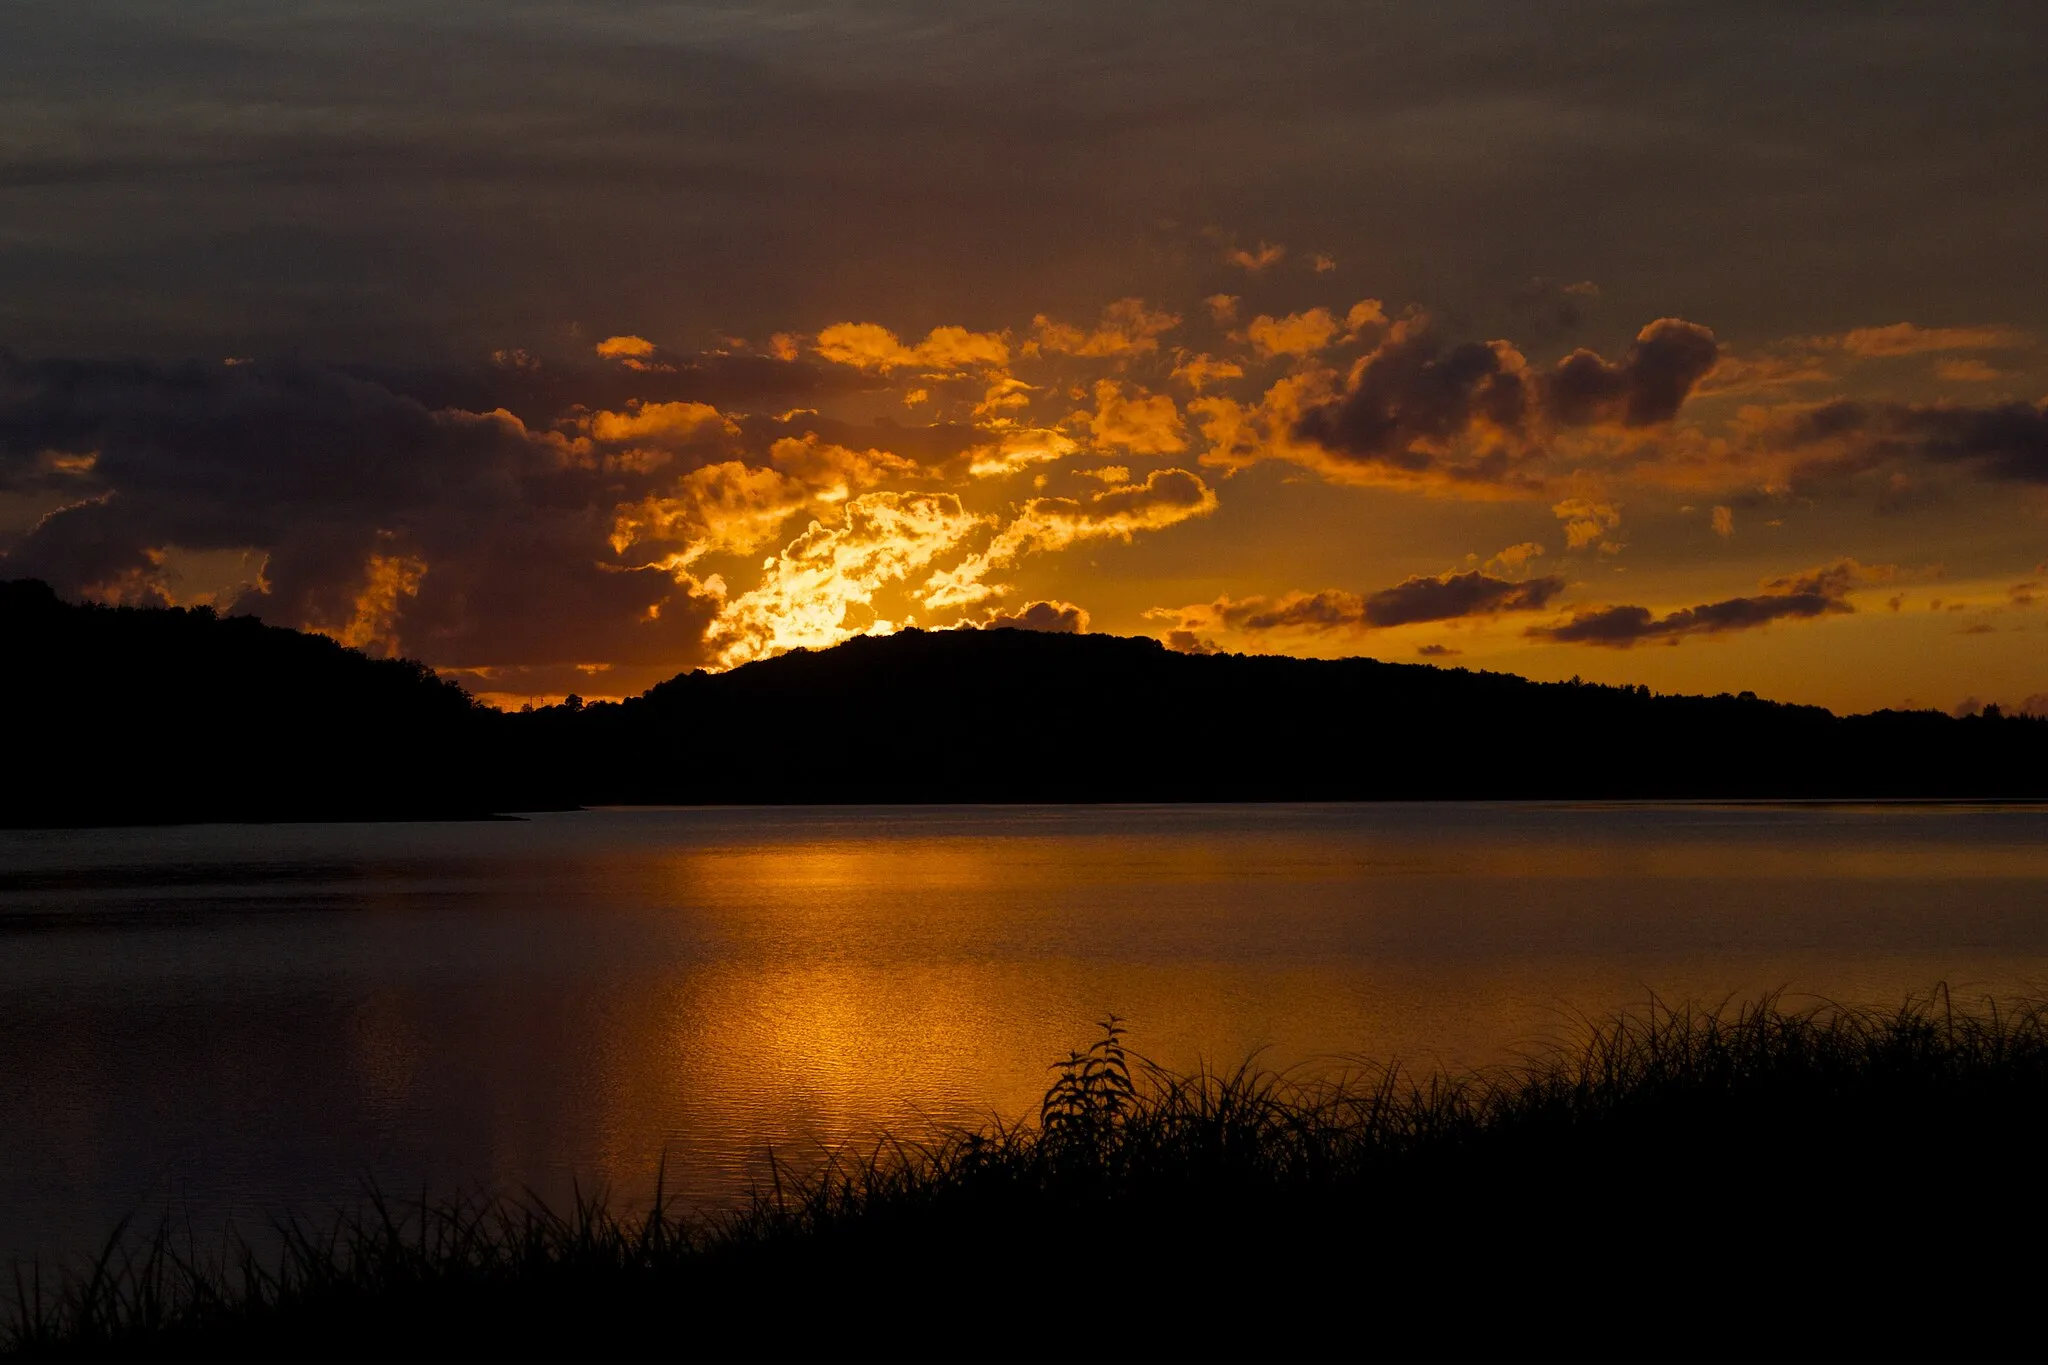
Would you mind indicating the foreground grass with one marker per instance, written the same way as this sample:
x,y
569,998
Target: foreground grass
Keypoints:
x,y
1683,1168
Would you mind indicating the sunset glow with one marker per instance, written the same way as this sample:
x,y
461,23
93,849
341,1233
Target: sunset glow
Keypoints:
x,y
1385,394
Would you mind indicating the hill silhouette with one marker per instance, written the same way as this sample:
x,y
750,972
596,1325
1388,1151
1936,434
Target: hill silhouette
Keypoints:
x,y
1015,715
132,715
123,715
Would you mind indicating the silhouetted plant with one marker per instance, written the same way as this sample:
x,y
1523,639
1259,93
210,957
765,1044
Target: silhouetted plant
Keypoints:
x,y
1693,1132
1090,1094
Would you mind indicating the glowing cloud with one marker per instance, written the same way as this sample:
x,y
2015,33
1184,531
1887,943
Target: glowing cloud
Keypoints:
x,y
372,627
1127,328
1143,424
728,508
1166,498
869,346
812,594
1297,334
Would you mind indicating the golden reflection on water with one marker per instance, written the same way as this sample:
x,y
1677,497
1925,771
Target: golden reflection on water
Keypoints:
x,y
888,984
586,998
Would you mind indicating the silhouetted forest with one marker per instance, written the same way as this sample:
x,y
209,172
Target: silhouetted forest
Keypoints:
x,y
137,715
1013,715
144,714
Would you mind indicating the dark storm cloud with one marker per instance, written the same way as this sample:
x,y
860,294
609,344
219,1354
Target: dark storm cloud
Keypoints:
x,y
1645,388
2005,442
1818,592
1458,594
329,474
1445,597
1415,397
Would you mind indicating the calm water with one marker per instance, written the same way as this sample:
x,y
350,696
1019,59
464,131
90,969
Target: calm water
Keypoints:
x,y
256,1018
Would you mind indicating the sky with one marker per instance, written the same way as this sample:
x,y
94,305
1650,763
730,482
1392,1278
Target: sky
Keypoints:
x,y
569,346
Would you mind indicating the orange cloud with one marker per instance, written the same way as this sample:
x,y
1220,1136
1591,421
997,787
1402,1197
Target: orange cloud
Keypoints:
x,y
869,346
1166,498
372,627
1017,447
1586,521
1127,328
660,423
832,470
1297,334
1202,371
1147,424
818,590
1264,256
1515,558
729,508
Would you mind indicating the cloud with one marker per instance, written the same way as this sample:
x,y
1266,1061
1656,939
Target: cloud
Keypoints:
x,y
1437,651
2006,441
1442,597
1128,328
386,579
1166,498
1969,372
1202,371
727,508
1448,596
1142,424
1414,397
1260,258
666,424
625,348
1015,448
1058,618
871,347
1724,522
1586,521
1515,558
1645,388
1816,592
821,588
1297,334
1905,338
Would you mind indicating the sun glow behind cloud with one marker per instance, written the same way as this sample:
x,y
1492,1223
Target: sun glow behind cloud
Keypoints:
x,y
711,508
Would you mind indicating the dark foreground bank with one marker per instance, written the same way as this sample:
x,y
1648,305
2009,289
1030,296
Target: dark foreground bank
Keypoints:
x,y
1681,1177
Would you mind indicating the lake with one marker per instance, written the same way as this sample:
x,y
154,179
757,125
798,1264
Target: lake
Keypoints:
x,y
236,1020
